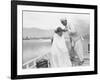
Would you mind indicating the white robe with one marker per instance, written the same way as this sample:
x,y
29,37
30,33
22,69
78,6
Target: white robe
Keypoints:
x,y
59,52
76,37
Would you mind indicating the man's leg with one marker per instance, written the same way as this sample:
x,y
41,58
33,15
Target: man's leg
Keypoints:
x,y
79,49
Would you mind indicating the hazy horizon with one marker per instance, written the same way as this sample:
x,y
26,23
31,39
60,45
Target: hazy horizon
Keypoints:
x,y
46,20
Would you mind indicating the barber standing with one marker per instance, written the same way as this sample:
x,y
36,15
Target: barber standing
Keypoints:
x,y
73,39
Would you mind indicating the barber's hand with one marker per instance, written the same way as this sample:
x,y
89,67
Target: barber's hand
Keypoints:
x,y
66,28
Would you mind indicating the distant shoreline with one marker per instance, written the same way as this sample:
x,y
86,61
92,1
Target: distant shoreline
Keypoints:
x,y
41,40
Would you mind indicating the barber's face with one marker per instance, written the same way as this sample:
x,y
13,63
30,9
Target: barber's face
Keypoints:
x,y
60,33
64,22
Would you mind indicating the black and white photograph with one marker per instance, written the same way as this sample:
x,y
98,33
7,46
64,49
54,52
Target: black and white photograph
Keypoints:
x,y
54,38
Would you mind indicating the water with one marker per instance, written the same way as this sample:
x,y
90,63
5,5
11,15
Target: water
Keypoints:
x,y
34,48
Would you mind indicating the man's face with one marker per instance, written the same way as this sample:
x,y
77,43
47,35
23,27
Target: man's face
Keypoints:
x,y
60,33
64,22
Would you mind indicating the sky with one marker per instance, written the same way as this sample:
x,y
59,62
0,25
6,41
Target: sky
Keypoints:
x,y
51,20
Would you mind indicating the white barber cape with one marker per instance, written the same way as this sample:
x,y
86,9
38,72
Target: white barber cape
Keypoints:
x,y
59,52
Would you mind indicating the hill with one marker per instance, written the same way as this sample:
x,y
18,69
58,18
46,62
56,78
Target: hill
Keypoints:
x,y
37,33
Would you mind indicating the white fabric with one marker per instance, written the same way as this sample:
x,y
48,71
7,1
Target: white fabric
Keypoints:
x,y
59,52
71,28
78,47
